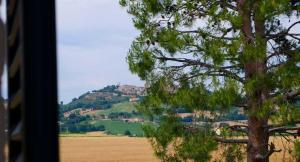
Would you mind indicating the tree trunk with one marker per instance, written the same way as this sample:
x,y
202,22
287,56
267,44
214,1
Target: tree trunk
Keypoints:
x,y
257,149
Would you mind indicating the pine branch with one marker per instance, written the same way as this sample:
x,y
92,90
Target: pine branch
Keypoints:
x,y
284,130
235,141
284,33
272,150
208,35
287,96
283,124
189,62
239,128
292,94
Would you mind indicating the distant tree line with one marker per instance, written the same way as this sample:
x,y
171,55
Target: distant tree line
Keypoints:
x,y
81,128
76,123
109,88
118,115
99,103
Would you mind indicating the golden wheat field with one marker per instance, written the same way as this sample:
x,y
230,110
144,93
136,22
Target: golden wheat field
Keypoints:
x,y
105,149
102,148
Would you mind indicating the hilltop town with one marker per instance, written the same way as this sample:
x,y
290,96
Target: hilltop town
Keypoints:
x,y
104,110
113,109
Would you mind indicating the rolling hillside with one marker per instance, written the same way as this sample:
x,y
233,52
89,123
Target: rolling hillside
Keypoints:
x,y
128,107
105,98
110,109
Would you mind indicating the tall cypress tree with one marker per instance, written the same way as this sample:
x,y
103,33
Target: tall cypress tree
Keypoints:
x,y
213,56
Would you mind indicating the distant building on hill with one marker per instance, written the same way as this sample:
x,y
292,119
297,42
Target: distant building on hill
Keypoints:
x,y
134,99
131,90
134,120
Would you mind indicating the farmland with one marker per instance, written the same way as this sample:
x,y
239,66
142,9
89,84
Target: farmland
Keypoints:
x,y
120,118
105,149
99,147
120,107
119,127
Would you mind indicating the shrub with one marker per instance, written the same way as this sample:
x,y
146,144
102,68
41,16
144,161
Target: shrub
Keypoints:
x,y
127,133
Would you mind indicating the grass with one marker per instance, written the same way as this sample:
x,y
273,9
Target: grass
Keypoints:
x,y
120,107
116,127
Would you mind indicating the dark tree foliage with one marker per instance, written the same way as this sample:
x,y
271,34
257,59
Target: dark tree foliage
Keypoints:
x,y
127,133
211,56
111,88
98,103
82,103
119,115
76,123
297,150
83,128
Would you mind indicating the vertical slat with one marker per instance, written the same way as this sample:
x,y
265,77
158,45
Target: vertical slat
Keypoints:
x,y
15,95
33,130
16,63
15,26
16,99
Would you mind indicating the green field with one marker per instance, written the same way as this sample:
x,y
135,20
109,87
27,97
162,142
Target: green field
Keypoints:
x,y
117,127
120,107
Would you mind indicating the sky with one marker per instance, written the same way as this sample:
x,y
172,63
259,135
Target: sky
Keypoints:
x,y
93,39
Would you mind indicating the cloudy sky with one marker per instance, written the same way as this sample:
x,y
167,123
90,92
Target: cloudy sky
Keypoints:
x,y
93,39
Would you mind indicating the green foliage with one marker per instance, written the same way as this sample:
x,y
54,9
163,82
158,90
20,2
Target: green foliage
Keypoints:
x,y
116,127
121,115
127,133
128,107
297,150
197,147
199,55
79,124
109,88
186,145
97,102
287,113
233,153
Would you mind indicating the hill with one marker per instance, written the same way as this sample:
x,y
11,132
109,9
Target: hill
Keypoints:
x,y
104,98
110,109
128,107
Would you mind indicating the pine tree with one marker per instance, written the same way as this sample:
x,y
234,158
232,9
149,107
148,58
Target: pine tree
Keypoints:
x,y
215,56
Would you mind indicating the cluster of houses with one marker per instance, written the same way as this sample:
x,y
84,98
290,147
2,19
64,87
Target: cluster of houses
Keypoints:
x,y
127,90
131,90
134,120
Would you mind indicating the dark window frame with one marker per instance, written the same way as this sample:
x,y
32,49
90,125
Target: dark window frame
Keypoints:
x,y
32,81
